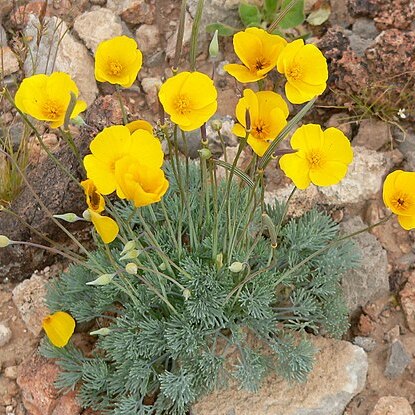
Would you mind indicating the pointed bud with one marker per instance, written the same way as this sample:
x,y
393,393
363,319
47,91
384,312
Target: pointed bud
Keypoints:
x,y
236,267
79,121
131,268
103,279
186,294
4,241
132,254
101,332
205,153
219,260
86,215
214,46
68,217
128,247
162,267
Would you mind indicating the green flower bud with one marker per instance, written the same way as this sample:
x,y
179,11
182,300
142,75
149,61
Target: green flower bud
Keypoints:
x,y
103,279
78,121
101,332
162,267
86,215
131,268
205,153
128,247
4,241
219,260
186,293
214,46
236,267
216,125
132,254
68,217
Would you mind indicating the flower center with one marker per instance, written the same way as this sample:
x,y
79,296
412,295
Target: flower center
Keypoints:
x,y
401,202
115,67
95,199
315,159
295,72
260,63
52,110
260,130
182,104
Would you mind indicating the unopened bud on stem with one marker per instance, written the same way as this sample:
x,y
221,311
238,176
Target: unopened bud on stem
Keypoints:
x,y
4,241
103,279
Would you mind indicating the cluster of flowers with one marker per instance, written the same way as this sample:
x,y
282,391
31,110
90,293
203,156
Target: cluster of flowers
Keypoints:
x,y
128,159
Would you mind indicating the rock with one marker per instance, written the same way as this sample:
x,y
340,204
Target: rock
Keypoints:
x,y
363,180
105,23
407,300
134,11
397,361
373,134
407,147
371,279
341,121
9,62
5,334
3,36
148,39
339,14
366,343
172,39
399,14
36,377
366,325
363,7
59,51
365,28
98,2
105,111
359,44
29,297
151,87
342,365
392,405
5,8
11,372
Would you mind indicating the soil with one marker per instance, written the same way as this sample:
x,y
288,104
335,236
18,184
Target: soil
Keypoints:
x,y
383,320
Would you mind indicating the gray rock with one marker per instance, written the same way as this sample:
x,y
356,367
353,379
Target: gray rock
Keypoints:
x,y
370,280
342,365
151,87
148,38
340,14
397,361
341,121
3,36
359,44
365,28
59,51
363,180
105,23
373,134
407,148
5,334
366,343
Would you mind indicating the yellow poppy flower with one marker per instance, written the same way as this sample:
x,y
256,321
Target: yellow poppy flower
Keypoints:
x,y
189,98
106,227
139,125
59,328
46,97
268,114
118,61
94,199
322,157
399,196
142,184
258,50
114,143
305,68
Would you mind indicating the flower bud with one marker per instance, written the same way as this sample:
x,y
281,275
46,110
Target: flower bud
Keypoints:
x,y
128,247
236,267
103,279
4,241
68,217
132,254
219,260
186,293
86,215
216,125
131,268
101,332
162,267
78,120
214,46
205,153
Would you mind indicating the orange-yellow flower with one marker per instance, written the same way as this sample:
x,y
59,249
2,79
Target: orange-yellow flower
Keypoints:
x,y
59,328
94,199
118,61
268,114
305,68
258,50
399,196
189,98
106,227
322,157
114,143
142,184
47,97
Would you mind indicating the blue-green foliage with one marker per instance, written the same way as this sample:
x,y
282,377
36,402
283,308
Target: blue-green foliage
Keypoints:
x,y
167,347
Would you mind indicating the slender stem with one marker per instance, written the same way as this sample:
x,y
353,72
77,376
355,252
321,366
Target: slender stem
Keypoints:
x,y
123,112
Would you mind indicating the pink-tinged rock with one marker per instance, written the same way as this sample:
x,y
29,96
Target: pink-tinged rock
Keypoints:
x,y
134,11
392,405
407,297
36,377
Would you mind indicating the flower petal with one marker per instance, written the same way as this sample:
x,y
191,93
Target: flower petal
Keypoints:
x,y
332,173
242,73
106,227
407,222
59,328
259,146
297,169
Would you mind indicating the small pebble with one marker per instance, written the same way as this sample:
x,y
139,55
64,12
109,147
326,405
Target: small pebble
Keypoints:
x,y
11,372
5,334
366,343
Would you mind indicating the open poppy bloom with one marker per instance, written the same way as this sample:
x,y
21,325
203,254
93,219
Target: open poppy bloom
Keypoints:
x,y
47,97
118,61
399,196
322,157
268,114
59,328
258,50
189,98
305,68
